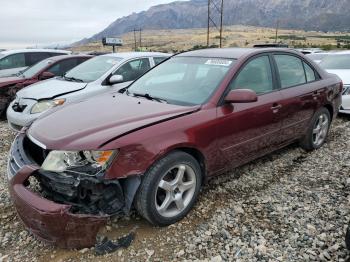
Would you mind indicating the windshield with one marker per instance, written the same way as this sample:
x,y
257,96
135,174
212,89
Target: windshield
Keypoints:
x,y
183,80
336,62
93,69
2,55
33,70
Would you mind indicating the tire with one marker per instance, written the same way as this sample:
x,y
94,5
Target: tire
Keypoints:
x,y
152,196
320,121
347,238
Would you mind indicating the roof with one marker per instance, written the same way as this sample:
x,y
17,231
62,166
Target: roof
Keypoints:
x,y
61,57
234,53
346,52
128,55
15,51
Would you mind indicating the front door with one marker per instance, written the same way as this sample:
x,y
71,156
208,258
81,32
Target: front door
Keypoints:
x,y
249,130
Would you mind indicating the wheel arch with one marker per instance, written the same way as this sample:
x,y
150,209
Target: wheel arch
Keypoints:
x,y
330,109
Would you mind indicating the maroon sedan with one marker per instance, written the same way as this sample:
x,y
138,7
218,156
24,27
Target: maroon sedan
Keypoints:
x,y
152,145
48,68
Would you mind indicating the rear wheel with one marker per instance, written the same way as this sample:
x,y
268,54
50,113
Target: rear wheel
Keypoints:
x,y
169,189
318,130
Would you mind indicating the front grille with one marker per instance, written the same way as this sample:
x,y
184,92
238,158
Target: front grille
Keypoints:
x,y
17,158
24,152
18,108
34,152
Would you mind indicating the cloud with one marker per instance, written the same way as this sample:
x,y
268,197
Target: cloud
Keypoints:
x,y
40,22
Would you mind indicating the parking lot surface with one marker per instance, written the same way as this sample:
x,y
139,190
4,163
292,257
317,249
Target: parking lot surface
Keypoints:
x,y
287,206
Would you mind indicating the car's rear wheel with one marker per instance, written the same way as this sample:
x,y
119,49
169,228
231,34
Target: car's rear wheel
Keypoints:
x,y
318,130
169,189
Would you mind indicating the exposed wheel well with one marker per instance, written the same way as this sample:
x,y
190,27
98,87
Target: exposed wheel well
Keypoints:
x,y
330,109
198,156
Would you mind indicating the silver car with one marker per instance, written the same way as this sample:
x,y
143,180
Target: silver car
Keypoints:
x,y
14,61
101,74
339,64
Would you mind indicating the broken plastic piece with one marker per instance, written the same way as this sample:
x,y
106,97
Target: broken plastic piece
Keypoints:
x,y
107,246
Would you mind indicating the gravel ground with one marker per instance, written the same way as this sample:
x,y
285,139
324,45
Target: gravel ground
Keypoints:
x,y
287,206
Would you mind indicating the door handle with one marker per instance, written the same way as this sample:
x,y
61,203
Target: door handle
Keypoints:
x,y
316,94
276,107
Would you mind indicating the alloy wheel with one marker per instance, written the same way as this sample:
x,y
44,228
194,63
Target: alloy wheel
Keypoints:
x,y
175,190
320,130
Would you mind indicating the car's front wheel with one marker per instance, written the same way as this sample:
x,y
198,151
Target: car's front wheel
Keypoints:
x,y
318,130
169,189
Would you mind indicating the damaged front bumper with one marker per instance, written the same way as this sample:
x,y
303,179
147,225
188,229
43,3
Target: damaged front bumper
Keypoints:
x,y
51,222
66,211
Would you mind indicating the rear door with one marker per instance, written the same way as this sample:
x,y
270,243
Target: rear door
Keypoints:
x,y
300,91
249,130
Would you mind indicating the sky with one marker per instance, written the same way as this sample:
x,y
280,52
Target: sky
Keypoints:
x,y
30,23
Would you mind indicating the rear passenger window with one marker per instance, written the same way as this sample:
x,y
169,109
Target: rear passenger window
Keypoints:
x,y
33,58
256,75
310,73
158,60
12,61
291,70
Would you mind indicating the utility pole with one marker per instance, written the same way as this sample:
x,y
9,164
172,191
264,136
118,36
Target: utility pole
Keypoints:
x,y
208,31
221,20
215,7
137,41
140,38
277,26
135,45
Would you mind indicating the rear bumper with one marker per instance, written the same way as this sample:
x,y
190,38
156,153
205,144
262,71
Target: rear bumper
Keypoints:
x,y
49,221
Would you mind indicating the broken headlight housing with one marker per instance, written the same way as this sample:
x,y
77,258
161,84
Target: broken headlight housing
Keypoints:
x,y
83,162
42,106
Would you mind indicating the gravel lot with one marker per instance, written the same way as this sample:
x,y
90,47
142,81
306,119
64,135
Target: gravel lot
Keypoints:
x,y
287,206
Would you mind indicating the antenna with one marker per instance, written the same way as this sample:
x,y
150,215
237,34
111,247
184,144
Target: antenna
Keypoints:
x,y
215,8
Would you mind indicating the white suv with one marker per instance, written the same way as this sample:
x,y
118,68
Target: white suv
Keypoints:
x,y
14,61
101,74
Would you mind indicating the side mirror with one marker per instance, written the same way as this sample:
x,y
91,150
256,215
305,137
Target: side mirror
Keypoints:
x,y
116,79
241,96
46,75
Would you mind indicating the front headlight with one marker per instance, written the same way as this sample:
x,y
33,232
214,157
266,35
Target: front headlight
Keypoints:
x,y
45,105
86,162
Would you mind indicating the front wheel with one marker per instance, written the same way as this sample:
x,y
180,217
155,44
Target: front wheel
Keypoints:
x,y
169,189
317,131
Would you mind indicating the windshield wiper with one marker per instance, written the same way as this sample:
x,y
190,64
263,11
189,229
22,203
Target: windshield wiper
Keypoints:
x,y
73,79
149,97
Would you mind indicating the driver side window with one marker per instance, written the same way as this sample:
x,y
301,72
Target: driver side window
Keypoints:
x,y
134,69
256,76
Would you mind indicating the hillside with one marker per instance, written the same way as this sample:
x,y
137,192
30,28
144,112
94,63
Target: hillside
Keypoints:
x,y
318,15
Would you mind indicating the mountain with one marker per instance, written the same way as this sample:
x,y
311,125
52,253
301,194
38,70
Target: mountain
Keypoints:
x,y
319,15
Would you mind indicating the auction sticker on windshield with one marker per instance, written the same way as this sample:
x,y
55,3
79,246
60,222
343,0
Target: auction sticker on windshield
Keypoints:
x,y
219,62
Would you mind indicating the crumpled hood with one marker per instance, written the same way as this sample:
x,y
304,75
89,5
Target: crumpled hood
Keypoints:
x,y
49,89
88,124
5,81
343,74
